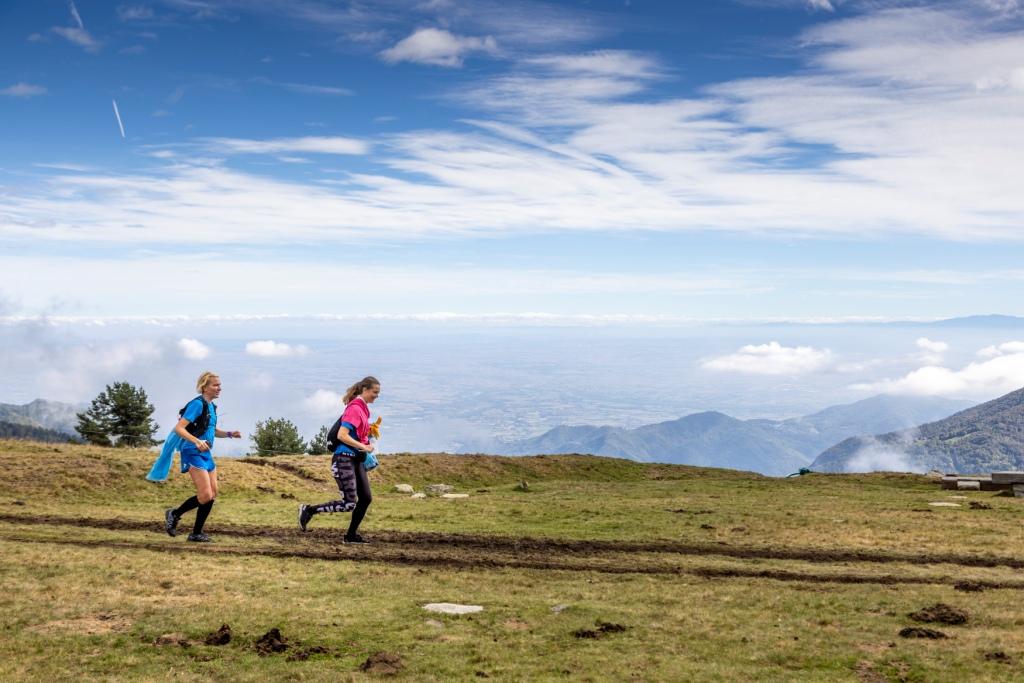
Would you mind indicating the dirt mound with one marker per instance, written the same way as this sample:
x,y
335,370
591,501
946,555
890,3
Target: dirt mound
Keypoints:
x,y
603,628
221,636
940,613
383,663
271,642
918,632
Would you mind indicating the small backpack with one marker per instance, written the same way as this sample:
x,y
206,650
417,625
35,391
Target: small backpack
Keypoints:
x,y
332,436
198,426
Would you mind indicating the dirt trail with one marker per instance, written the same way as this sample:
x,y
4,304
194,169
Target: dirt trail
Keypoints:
x,y
459,559
565,549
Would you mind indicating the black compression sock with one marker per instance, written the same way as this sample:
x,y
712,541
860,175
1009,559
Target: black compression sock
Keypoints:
x,y
190,504
201,514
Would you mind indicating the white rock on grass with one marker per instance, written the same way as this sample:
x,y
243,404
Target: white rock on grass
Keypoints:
x,y
945,505
418,495
438,489
452,608
455,495
403,488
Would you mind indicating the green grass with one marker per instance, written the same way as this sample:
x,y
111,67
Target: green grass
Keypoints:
x,y
88,603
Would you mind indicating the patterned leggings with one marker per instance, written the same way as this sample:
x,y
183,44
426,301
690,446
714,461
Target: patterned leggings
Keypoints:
x,y
354,485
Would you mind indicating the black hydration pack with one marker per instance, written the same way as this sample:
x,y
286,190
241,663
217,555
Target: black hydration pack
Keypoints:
x,y
198,426
332,435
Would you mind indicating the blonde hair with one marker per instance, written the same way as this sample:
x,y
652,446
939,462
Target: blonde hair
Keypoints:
x,y
204,380
359,387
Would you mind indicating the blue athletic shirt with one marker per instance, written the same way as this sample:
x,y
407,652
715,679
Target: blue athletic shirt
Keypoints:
x,y
192,412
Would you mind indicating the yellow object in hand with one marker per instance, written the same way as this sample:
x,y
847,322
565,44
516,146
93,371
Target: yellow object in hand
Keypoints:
x,y
375,429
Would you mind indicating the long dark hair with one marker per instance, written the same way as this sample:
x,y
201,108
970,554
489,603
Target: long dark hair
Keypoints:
x,y
359,387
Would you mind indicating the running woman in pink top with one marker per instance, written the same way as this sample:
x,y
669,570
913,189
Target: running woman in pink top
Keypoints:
x,y
347,466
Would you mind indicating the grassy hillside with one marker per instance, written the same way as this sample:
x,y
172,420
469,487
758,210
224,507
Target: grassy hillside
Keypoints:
x,y
985,438
711,574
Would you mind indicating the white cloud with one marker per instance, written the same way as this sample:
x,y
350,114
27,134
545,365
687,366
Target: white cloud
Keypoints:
x,y
311,144
324,402
884,132
193,349
305,88
437,47
771,359
985,379
23,90
1004,348
875,456
77,34
930,346
272,349
931,351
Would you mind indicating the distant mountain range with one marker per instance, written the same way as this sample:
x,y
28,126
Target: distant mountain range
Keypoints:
x,y
712,439
49,416
986,438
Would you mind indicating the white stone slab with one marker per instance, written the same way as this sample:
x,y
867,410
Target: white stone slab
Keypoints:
x,y
455,495
945,505
452,608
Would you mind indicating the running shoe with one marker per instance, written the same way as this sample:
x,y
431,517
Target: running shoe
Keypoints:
x,y
306,513
171,522
200,538
354,538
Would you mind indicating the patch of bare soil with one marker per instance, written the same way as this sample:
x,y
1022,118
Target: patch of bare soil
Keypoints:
x,y
383,664
456,551
940,613
172,639
999,656
866,673
221,636
544,546
919,632
969,586
978,505
603,629
96,625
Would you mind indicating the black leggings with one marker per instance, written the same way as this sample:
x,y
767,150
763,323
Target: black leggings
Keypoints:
x,y
354,485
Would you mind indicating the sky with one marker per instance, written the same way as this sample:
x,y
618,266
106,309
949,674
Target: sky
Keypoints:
x,y
517,213
626,161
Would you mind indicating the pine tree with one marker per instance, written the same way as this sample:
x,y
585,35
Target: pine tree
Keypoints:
x,y
121,415
277,437
318,444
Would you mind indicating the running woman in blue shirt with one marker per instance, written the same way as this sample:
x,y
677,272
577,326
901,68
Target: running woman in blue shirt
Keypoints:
x,y
198,428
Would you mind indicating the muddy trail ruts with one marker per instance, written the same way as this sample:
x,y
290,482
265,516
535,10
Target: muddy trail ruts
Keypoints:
x,y
460,559
563,547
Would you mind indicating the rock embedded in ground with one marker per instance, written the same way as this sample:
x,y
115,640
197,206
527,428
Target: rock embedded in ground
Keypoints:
x,y
403,488
418,495
558,609
455,495
438,489
943,504
452,608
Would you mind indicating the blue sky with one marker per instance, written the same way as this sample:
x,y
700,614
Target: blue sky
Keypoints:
x,y
628,161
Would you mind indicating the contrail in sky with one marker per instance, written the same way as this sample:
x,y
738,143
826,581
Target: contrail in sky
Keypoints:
x,y
75,15
118,115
